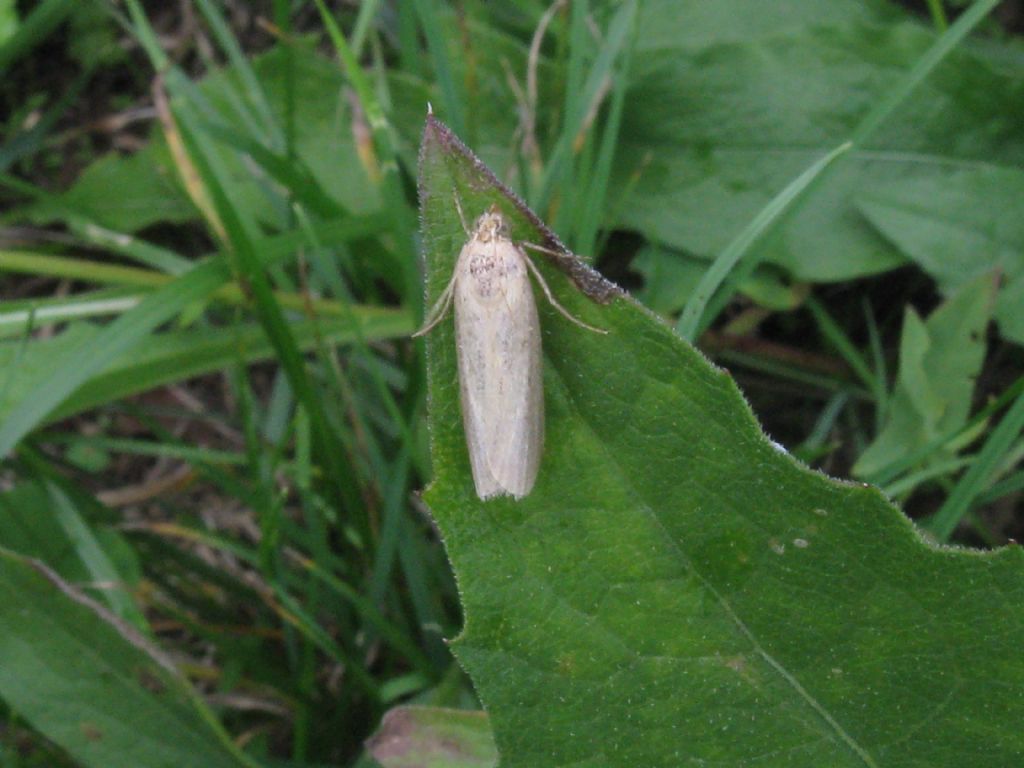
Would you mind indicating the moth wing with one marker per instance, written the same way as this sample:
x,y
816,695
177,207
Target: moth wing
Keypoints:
x,y
499,349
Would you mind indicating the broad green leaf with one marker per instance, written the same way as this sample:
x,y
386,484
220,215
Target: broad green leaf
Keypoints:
x,y
124,193
93,685
677,589
43,521
971,224
432,737
716,129
130,193
939,362
1008,310
695,25
671,277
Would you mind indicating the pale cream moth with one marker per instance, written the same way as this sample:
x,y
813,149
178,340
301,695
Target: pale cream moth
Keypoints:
x,y
498,345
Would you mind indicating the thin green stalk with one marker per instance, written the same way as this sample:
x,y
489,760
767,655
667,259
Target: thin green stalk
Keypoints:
x,y
881,390
824,424
44,312
27,262
835,334
938,15
782,371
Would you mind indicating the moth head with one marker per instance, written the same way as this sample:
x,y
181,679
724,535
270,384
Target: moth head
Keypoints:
x,y
491,225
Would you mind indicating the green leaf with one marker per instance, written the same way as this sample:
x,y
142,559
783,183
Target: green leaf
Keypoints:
x,y
432,737
93,685
8,20
695,25
130,193
678,590
939,362
123,193
670,279
41,520
716,127
971,224
34,28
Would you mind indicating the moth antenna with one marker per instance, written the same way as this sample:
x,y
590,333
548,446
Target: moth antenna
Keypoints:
x,y
553,301
439,310
542,249
462,216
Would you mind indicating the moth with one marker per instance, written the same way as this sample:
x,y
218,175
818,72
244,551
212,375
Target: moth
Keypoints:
x,y
498,346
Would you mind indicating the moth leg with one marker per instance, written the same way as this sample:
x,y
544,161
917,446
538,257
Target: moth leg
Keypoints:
x,y
439,310
554,302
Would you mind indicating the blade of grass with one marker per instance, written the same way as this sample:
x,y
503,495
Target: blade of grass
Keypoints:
x,y
34,28
452,97
28,262
269,312
33,263
580,101
251,90
396,205
881,391
697,314
367,11
978,475
596,191
786,372
846,348
1009,395
43,312
135,248
906,484
115,340
1012,484
290,172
